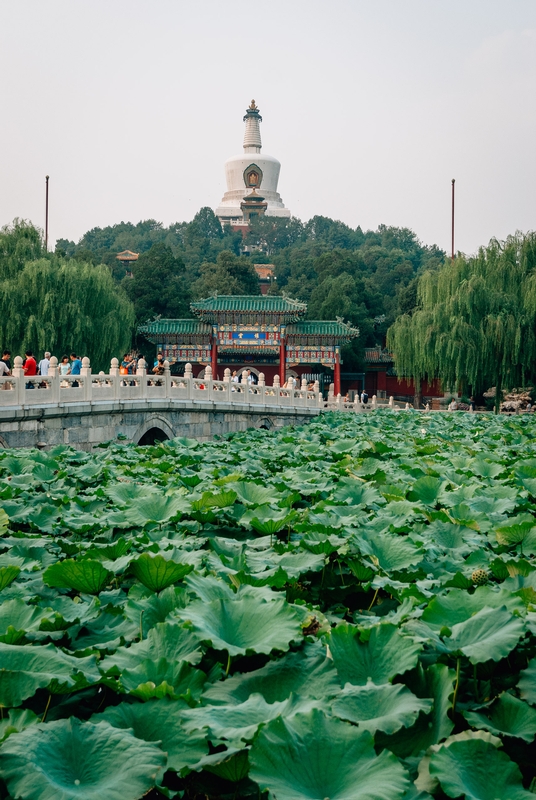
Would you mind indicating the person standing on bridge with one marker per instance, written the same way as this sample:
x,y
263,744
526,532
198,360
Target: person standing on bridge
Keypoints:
x,y
44,364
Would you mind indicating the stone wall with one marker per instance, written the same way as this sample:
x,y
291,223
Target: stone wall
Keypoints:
x,y
84,425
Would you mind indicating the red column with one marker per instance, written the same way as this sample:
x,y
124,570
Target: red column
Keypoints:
x,y
282,361
337,376
214,358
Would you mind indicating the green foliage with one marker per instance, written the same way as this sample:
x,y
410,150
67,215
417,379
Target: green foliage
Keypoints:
x,y
230,274
208,619
49,303
475,322
158,285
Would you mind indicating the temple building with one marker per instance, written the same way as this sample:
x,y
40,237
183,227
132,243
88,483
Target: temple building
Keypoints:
x,y
262,333
251,180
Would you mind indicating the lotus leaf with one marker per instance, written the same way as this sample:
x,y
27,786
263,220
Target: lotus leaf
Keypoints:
x,y
374,708
338,762
476,770
157,573
242,624
166,640
179,676
508,716
8,575
24,670
159,721
86,576
17,720
379,658
308,670
489,635
68,759
527,683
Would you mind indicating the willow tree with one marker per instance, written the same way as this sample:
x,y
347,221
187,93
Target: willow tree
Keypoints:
x,y
474,324
49,303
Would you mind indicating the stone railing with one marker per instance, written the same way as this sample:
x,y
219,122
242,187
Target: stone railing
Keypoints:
x,y
55,389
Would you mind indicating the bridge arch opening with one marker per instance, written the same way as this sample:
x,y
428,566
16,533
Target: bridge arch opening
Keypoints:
x,y
154,429
153,436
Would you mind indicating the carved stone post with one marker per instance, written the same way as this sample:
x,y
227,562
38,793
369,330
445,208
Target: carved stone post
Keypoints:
x,y
54,380
20,385
114,375
85,374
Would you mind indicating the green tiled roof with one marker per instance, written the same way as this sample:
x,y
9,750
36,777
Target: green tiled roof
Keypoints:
x,y
187,327
259,304
335,329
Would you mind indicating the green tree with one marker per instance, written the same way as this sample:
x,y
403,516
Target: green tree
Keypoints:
x,y
158,285
475,321
49,303
230,274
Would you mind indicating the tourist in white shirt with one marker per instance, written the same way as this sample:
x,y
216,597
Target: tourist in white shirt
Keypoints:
x,y
44,364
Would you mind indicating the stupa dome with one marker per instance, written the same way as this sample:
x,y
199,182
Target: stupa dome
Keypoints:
x,y
251,171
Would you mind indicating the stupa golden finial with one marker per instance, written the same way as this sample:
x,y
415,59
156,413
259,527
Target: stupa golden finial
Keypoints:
x,y
253,106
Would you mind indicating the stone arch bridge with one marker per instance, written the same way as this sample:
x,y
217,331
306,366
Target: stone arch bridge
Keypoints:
x,y
88,409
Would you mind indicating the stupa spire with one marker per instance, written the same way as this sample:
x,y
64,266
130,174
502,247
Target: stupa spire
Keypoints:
x,y
252,134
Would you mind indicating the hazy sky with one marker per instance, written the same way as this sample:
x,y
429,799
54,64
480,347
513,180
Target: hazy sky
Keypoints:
x,y
132,107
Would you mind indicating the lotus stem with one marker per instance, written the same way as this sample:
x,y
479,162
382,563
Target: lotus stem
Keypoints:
x,y
141,626
228,664
46,709
374,598
455,696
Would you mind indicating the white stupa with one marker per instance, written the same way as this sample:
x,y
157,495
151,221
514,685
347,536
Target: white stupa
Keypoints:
x,y
251,179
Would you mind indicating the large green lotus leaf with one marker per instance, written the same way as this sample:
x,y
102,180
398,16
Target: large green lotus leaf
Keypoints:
x,y
157,573
17,618
489,635
477,770
384,708
159,721
516,530
393,552
241,624
16,720
25,669
436,683
527,683
356,493
147,609
8,575
337,762
126,494
427,490
307,671
179,676
240,722
486,469
166,640
105,632
71,760
86,576
386,653
155,508
4,521
251,494
508,716
457,605
266,520
294,563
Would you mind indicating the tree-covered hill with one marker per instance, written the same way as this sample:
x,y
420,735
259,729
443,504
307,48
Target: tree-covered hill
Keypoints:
x,y
338,271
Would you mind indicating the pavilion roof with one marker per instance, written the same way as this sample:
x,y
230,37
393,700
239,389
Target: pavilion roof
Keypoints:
x,y
271,304
316,327
157,328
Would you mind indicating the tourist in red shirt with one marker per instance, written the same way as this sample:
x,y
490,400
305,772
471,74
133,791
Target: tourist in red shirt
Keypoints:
x,y
30,364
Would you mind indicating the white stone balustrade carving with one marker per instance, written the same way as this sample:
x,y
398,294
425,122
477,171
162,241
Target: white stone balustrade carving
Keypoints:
x,y
18,390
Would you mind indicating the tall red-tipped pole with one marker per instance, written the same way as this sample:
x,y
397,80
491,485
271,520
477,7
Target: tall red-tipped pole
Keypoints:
x,y
46,215
453,182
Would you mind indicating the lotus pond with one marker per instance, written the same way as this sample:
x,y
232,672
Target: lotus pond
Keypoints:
x,y
345,610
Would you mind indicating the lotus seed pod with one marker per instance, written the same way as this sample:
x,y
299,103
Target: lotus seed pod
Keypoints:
x,y
479,577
